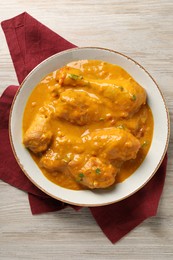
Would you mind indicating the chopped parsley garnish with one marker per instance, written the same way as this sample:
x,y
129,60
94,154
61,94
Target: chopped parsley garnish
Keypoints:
x,y
66,160
81,176
121,88
56,157
98,171
118,87
145,143
133,97
121,126
74,76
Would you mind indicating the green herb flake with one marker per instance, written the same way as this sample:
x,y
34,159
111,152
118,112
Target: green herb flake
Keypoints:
x,y
74,76
65,160
121,88
134,97
101,119
81,176
56,157
145,143
121,126
98,171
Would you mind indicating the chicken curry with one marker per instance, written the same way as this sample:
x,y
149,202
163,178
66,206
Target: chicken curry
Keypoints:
x,y
88,125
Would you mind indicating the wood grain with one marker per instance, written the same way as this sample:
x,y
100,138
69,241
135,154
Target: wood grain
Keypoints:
x,y
142,30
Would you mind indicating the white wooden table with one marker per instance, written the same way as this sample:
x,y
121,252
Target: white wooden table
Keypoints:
x,y
142,30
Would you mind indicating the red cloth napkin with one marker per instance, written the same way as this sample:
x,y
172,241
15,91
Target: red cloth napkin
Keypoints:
x,y
30,42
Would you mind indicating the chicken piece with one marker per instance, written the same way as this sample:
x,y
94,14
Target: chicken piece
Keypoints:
x,y
108,149
79,107
126,94
52,161
136,124
94,173
38,136
113,144
62,151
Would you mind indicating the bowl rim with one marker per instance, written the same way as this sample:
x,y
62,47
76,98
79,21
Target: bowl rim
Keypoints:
x,y
38,185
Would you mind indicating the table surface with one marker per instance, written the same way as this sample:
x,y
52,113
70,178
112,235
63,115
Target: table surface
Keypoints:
x,y
142,30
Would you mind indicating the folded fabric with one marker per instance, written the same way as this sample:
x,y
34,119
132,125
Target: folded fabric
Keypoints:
x,y
30,42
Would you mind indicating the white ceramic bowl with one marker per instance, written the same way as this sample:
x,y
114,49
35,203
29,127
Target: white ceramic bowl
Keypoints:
x,y
140,177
